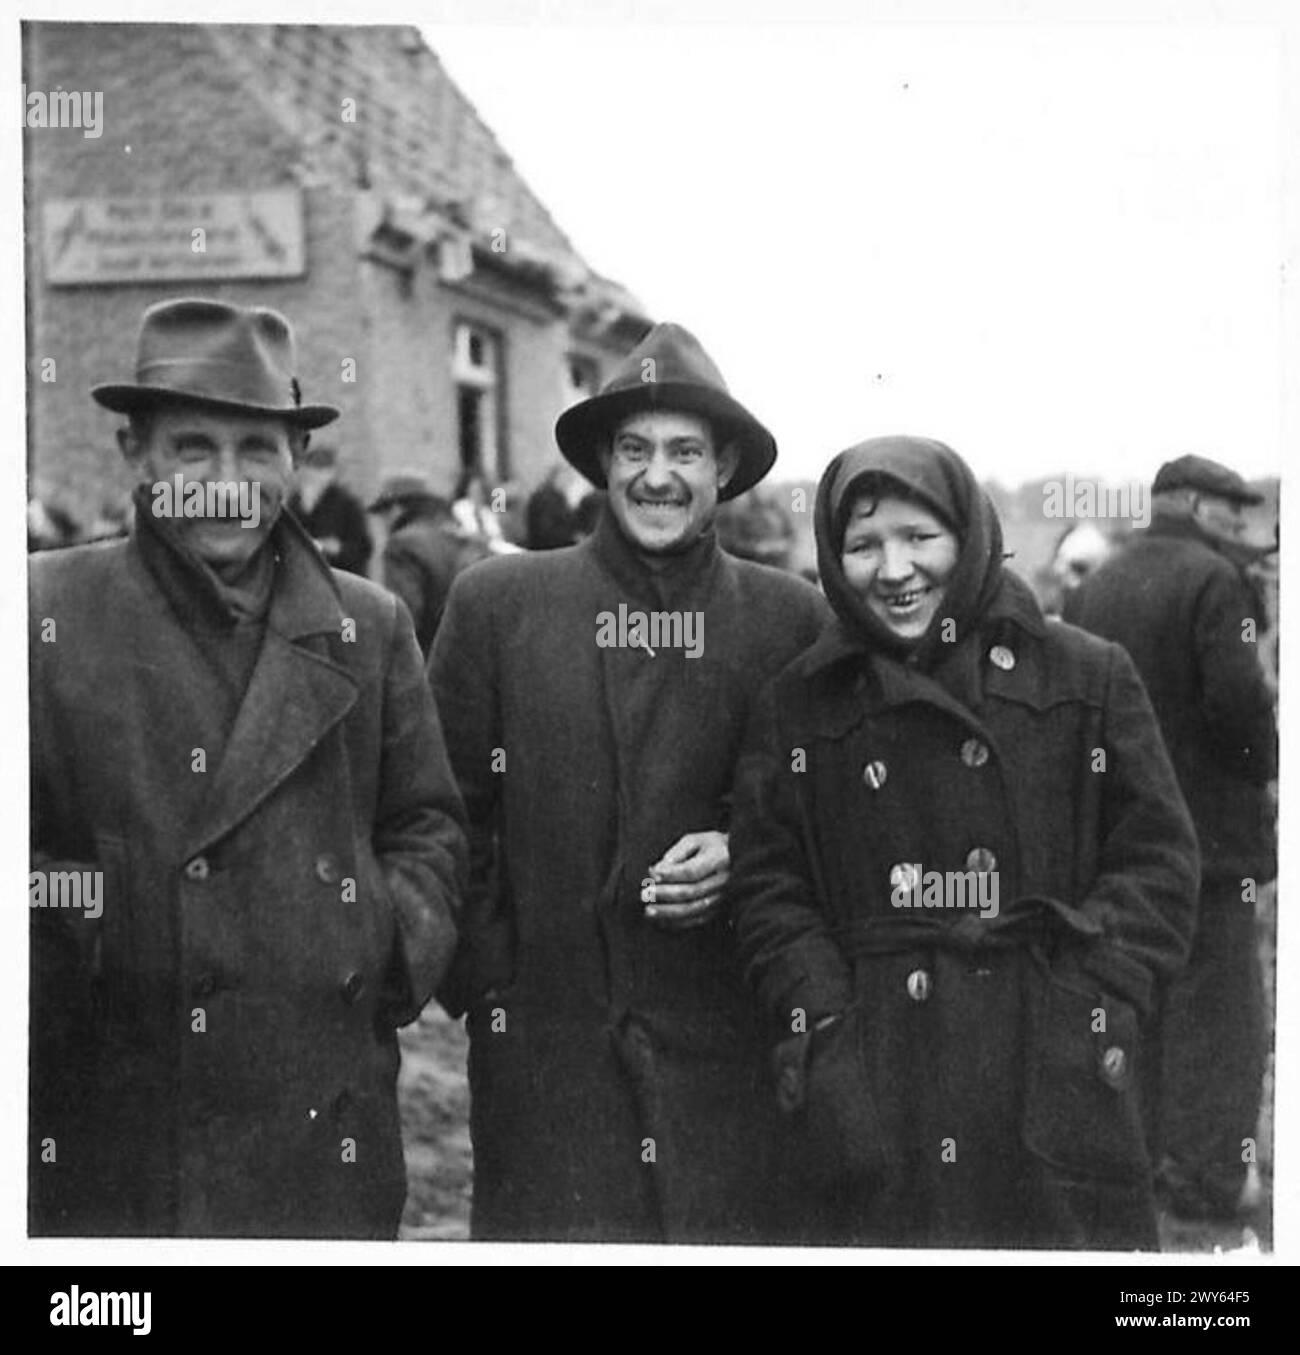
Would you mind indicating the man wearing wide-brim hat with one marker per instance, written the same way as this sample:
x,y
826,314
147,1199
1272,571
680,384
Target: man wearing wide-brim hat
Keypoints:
x,y
1176,598
237,760
595,698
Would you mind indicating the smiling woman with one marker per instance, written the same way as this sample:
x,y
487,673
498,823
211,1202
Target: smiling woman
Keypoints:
x,y
897,555
956,1077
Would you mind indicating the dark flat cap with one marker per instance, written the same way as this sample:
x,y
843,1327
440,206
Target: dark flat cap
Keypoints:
x,y
1199,472
403,487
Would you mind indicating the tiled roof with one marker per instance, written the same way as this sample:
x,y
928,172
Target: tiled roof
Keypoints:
x,y
416,141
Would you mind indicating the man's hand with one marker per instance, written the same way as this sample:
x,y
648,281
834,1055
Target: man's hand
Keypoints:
x,y
688,881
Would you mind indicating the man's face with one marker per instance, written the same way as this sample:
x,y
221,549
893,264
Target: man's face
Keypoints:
x,y
213,446
1221,517
898,557
664,474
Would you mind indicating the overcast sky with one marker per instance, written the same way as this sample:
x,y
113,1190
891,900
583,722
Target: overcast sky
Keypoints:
x,y
1050,245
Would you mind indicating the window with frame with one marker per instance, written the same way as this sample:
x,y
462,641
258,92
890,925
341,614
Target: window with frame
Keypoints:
x,y
476,373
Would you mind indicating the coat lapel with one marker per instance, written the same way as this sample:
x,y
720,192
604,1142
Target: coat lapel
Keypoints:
x,y
296,695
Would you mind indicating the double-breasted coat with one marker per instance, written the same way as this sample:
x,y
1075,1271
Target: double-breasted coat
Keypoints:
x,y
954,887
215,1053
992,1069
617,1086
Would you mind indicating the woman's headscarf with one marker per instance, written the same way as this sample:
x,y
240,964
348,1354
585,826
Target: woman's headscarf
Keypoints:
x,y
934,474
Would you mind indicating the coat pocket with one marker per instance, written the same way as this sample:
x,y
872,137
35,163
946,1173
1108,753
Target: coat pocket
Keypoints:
x,y
835,1135
1082,1114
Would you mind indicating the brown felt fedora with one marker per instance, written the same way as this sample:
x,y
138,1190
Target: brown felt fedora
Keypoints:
x,y
238,358
667,370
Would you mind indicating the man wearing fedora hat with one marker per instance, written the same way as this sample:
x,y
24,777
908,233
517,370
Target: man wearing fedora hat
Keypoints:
x,y
236,759
595,698
1176,598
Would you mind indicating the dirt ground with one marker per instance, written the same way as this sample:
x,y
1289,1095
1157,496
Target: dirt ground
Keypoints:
x,y
435,1127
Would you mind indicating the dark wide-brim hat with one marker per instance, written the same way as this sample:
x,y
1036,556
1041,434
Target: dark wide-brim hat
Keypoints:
x,y
236,358
668,370
1210,477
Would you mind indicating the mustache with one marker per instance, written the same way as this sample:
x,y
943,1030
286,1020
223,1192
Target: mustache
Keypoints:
x,y
679,494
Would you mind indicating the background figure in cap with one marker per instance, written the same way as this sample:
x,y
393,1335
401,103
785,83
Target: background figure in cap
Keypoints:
x,y
424,550
332,515
238,775
617,1080
1176,599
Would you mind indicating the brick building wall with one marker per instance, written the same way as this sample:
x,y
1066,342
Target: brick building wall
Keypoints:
x,y
188,108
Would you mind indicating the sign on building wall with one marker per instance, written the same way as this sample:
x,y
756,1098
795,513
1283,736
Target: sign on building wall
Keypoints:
x,y
181,238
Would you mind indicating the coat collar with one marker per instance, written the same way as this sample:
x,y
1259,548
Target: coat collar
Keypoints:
x,y
1013,608
297,692
1181,528
670,582
304,598
1239,553
852,684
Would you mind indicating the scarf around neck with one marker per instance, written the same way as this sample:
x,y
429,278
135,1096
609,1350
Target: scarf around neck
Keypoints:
x,y
239,594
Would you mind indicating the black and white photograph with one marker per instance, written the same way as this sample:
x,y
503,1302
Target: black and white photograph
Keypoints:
x,y
652,625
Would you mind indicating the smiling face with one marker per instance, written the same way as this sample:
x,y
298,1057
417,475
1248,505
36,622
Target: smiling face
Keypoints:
x,y
897,556
207,445
664,473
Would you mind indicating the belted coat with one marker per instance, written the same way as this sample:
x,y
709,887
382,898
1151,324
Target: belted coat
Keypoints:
x,y
617,1087
974,1082
215,1053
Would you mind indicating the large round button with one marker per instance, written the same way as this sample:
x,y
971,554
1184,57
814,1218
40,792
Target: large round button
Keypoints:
x,y
918,985
198,869
1114,1064
974,753
875,774
981,860
353,986
1001,657
327,868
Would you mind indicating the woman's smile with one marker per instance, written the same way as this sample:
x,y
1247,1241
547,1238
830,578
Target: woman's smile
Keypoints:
x,y
897,556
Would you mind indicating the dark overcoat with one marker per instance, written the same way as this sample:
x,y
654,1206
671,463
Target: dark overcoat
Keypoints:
x,y
1189,617
980,1088
423,554
340,514
616,1084
215,1054
1183,610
